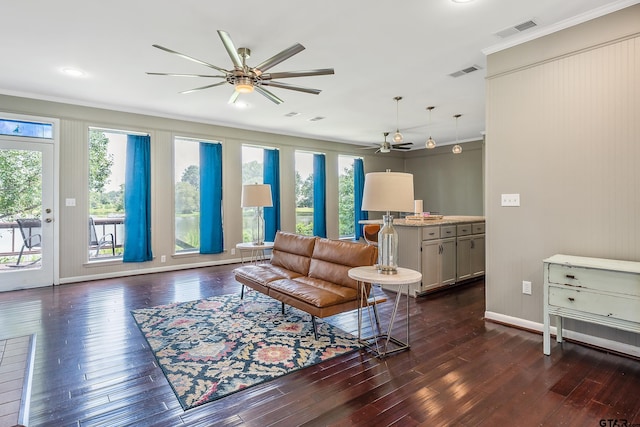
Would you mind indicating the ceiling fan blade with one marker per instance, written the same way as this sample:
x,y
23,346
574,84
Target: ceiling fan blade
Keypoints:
x,y
185,75
400,148
206,64
278,58
231,49
288,74
401,145
268,95
370,148
204,87
234,97
291,87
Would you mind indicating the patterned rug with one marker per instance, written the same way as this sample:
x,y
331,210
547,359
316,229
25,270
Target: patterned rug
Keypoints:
x,y
211,348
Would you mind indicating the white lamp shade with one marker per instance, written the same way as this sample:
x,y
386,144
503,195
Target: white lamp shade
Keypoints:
x,y
256,195
388,191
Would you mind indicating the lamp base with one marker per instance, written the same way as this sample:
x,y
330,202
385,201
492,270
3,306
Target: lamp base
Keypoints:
x,y
383,269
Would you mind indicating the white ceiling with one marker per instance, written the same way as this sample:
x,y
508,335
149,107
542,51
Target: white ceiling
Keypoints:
x,y
378,49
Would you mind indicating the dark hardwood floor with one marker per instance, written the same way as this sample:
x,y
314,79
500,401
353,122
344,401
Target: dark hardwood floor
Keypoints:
x,y
93,366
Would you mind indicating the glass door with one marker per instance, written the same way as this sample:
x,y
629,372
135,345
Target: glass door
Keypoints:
x,y
26,207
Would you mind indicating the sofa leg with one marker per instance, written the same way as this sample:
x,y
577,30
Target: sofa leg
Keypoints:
x,y
242,292
282,308
314,326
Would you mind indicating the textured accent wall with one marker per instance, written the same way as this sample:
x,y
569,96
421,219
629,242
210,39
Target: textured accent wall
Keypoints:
x,y
563,132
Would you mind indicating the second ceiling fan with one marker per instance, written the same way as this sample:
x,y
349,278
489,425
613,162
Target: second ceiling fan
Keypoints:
x,y
386,146
245,78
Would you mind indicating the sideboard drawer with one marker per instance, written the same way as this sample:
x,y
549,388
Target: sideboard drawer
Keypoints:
x,y
613,306
621,282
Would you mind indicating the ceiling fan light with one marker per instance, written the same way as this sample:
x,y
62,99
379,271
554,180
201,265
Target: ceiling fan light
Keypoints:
x,y
244,85
397,137
431,143
457,149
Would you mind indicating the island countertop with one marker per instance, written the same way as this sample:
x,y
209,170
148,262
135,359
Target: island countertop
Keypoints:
x,y
445,220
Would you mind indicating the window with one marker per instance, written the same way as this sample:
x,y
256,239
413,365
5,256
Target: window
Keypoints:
x,y
187,164
346,214
30,129
304,192
107,163
252,173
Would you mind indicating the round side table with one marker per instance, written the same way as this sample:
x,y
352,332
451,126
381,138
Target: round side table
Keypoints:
x,y
256,252
379,342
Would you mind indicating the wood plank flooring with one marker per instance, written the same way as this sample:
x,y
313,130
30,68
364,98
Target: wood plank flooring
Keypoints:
x,y
93,366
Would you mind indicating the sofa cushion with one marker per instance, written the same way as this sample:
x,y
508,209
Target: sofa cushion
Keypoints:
x,y
332,260
293,252
264,273
316,292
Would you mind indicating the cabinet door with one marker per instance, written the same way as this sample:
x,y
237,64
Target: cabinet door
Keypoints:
x,y
464,258
430,260
448,261
477,256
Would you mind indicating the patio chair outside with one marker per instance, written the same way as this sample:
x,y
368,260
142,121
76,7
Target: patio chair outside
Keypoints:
x,y
30,229
104,242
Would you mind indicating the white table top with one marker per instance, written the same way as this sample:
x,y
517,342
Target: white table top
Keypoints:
x,y
370,274
250,245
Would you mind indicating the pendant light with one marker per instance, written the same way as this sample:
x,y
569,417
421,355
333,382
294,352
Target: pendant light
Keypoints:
x,y
397,137
431,143
457,149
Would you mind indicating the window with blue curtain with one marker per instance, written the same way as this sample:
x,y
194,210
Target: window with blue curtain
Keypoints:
x,y
358,190
271,176
319,196
137,200
211,230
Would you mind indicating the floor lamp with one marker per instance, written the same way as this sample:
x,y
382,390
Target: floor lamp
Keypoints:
x,y
257,196
385,192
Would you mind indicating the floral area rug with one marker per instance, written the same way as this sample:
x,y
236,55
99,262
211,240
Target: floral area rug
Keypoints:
x,y
211,348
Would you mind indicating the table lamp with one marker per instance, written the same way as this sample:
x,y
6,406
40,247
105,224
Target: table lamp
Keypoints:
x,y
257,196
385,192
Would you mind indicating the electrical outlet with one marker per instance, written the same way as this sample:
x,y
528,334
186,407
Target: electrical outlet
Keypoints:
x,y
526,287
510,200
163,258
233,251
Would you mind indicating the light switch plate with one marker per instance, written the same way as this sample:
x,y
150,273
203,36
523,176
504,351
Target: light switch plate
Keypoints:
x,y
510,200
69,202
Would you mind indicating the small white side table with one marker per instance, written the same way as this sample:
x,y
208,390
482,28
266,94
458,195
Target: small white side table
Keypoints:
x,y
369,274
256,252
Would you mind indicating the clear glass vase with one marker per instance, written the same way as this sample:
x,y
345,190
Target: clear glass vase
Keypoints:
x,y
388,247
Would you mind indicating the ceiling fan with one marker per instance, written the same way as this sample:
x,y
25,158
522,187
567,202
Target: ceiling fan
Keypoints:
x,y
246,79
386,146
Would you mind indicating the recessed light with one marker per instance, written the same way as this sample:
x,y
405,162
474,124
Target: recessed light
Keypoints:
x,y
462,1
73,72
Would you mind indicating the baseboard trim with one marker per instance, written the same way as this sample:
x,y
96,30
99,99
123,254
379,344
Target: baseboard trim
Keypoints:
x,y
601,343
162,269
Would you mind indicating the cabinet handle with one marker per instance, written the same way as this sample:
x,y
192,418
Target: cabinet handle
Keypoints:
x,y
473,244
572,299
570,276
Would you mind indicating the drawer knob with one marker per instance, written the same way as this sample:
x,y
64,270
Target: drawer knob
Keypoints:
x,y
570,276
572,299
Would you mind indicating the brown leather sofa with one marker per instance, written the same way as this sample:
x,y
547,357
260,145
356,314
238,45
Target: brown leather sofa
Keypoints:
x,y
310,273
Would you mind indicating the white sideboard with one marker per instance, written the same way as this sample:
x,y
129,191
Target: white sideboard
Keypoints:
x,y
595,290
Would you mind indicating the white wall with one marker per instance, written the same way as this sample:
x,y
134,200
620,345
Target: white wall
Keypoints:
x,y
563,132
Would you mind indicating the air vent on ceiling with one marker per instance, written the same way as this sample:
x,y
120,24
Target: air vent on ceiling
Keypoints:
x,y
292,114
516,29
315,119
464,71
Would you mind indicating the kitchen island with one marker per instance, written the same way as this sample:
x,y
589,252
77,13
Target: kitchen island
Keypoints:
x,y
447,251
